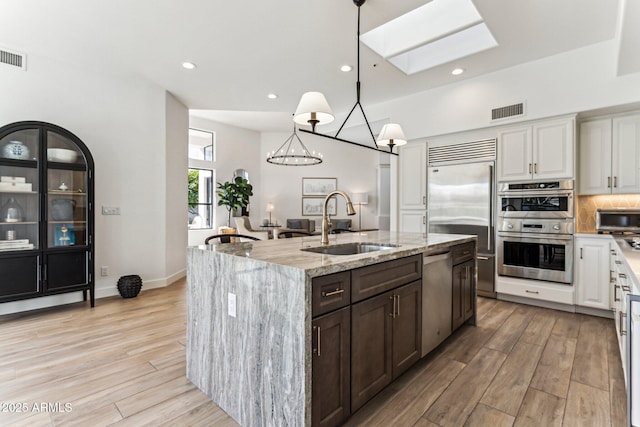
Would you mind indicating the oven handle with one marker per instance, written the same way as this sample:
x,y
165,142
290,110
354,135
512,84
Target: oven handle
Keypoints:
x,y
535,238
541,193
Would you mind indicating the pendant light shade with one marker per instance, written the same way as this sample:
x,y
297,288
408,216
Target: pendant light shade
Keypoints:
x,y
391,135
313,110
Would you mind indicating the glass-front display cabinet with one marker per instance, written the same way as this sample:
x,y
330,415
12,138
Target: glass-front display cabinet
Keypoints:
x,y
46,212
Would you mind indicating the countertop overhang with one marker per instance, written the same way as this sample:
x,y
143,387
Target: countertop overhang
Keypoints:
x,y
288,252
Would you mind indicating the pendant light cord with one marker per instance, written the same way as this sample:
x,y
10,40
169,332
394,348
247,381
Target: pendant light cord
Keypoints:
x,y
358,104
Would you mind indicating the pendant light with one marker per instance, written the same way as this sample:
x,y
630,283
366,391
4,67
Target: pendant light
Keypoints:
x,y
391,135
313,109
305,113
292,154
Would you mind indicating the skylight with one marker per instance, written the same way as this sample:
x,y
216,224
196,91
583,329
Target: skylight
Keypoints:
x,y
438,32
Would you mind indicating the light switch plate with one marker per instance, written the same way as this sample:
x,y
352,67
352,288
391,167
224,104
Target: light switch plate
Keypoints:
x,y
110,210
232,304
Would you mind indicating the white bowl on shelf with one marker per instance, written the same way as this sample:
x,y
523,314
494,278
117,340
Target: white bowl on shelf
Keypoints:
x,y
62,155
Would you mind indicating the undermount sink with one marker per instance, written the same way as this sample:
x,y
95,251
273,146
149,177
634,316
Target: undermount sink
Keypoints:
x,y
351,248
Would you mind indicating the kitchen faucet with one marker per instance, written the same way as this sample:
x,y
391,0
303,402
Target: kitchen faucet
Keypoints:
x,y
326,225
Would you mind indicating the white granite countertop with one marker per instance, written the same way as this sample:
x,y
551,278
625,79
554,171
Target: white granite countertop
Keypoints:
x,y
287,252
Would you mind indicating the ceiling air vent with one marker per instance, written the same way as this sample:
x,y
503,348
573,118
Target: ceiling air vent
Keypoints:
x,y
14,59
507,111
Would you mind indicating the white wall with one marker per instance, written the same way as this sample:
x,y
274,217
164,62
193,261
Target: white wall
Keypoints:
x,y
175,196
236,148
355,168
124,123
579,80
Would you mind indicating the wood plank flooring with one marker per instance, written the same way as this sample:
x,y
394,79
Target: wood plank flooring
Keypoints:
x,y
123,364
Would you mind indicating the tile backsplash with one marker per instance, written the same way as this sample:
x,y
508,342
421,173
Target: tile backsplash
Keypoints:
x,y
587,205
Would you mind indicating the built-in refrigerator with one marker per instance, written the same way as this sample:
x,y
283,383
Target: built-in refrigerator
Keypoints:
x,y
461,201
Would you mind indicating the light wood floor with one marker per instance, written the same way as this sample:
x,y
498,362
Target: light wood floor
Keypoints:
x,y
122,364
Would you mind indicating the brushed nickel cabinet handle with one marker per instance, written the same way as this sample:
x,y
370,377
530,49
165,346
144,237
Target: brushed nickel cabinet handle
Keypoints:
x,y
317,349
580,253
622,275
608,182
615,293
530,171
424,200
626,288
393,307
531,292
398,306
338,291
613,252
618,262
535,168
615,182
424,219
620,323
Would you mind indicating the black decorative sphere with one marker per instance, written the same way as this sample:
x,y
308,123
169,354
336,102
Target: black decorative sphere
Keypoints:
x,y
129,286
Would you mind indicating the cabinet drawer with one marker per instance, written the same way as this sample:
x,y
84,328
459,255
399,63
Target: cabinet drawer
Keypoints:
x,y
463,252
547,292
330,292
377,278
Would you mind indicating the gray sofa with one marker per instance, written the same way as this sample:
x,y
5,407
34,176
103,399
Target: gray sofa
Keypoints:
x,y
304,224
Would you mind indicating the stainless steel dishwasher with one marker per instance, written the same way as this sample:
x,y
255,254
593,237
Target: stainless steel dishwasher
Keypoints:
x,y
436,300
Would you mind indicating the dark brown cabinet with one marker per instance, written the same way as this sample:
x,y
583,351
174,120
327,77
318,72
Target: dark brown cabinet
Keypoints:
x,y
386,340
331,368
463,287
46,212
331,355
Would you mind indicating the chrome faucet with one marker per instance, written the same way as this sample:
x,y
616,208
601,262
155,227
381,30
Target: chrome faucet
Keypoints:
x,y
326,225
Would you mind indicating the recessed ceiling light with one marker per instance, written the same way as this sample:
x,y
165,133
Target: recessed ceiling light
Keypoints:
x,y
457,71
346,68
188,65
272,96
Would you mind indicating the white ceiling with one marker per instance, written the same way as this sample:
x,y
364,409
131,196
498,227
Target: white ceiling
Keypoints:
x,y
247,49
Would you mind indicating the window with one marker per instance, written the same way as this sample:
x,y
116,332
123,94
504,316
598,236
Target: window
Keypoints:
x,y
201,145
200,198
201,179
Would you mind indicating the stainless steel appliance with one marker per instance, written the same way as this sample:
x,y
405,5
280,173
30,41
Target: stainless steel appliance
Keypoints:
x,y
548,199
618,220
461,201
436,300
540,249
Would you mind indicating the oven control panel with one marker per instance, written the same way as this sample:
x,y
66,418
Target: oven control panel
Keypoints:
x,y
540,226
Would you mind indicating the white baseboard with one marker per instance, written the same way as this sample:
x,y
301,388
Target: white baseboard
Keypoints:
x,y
73,297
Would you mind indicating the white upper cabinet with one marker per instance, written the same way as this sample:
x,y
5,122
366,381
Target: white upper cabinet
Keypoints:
x,y
543,150
412,176
610,156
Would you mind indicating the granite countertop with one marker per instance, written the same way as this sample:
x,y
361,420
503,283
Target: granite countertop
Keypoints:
x,y
287,252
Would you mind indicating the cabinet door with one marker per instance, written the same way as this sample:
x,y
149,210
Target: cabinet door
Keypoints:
x,y
371,345
66,270
412,176
595,157
626,155
407,327
331,368
514,154
592,272
19,277
413,221
553,143
468,290
457,307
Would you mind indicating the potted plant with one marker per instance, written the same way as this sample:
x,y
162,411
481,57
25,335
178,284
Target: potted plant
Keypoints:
x,y
234,195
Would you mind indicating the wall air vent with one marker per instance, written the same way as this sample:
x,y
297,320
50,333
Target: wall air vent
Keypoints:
x,y
465,152
14,59
508,111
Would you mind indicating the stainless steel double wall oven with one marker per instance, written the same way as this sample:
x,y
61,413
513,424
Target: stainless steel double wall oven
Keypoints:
x,y
535,230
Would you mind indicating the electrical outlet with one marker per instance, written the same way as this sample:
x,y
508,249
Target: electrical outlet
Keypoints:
x,y
104,270
232,304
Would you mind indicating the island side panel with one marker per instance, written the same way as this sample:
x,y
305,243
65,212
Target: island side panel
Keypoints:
x,y
254,366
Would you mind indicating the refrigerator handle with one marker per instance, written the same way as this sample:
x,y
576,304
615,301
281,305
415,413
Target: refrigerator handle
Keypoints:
x,y
490,228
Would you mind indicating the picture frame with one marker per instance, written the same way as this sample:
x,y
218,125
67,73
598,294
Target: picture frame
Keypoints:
x,y
318,186
312,206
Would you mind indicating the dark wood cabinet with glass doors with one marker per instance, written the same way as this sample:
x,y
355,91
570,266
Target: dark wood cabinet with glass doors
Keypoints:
x,y
46,212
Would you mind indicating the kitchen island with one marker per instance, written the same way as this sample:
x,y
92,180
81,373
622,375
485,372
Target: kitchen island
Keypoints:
x,y
249,316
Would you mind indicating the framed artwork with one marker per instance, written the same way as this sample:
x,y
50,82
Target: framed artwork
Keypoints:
x,y
312,206
318,186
